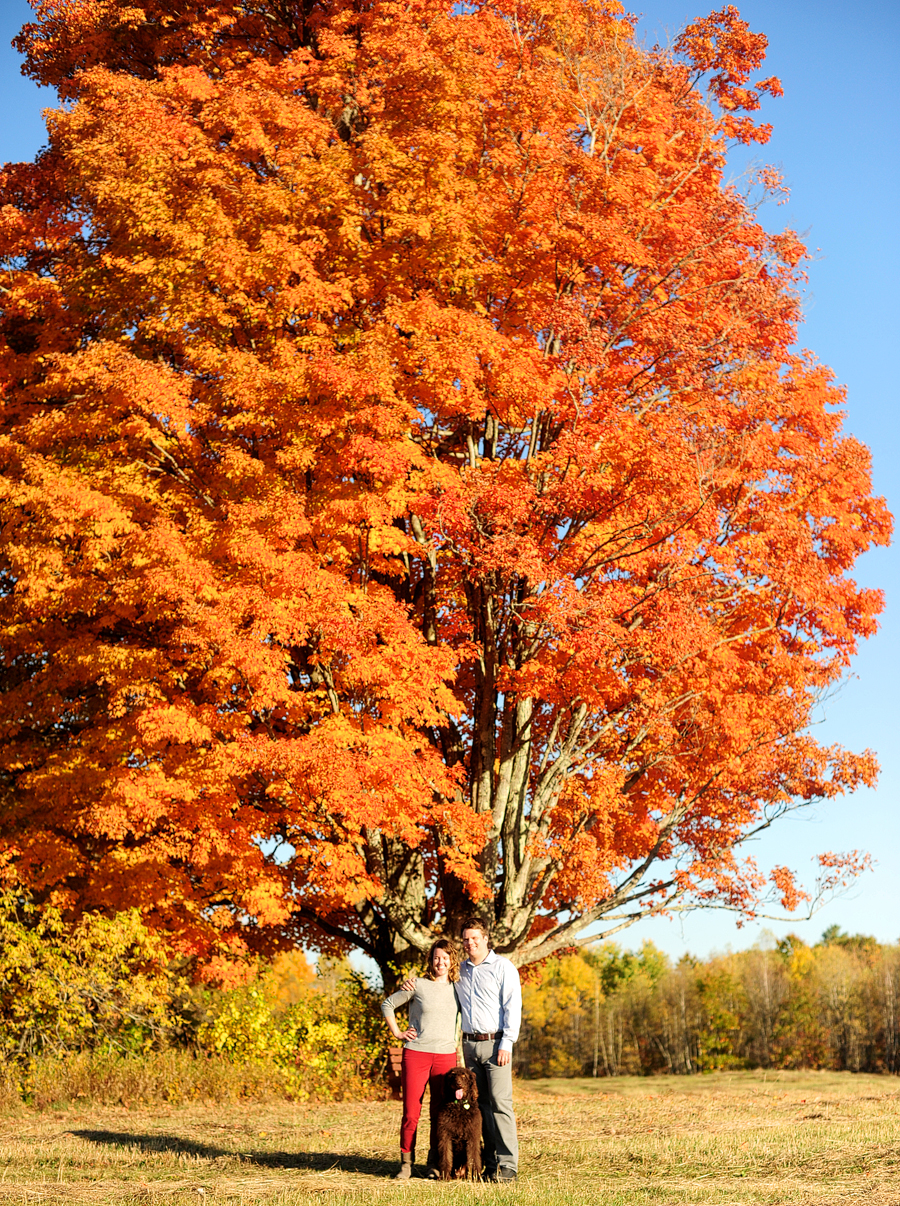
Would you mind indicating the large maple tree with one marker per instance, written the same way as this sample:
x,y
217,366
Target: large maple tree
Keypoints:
x,y
413,499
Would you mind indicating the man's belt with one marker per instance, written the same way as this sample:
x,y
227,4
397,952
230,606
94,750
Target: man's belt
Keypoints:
x,y
482,1038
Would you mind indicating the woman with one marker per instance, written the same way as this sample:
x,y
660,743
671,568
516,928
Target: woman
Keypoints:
x,y
429,1043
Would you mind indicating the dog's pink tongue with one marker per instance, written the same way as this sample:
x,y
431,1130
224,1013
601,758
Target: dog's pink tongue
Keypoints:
x,y
459,1094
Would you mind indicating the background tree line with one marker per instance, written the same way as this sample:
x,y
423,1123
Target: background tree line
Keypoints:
x,y
610,1012
99,1009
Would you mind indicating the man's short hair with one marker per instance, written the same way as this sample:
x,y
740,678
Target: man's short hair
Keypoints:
x,y
475,923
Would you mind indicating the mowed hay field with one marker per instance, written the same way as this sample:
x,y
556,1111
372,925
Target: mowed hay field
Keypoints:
x,y
724,1138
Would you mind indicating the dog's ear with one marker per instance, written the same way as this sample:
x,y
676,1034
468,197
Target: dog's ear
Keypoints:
x,y
473,1085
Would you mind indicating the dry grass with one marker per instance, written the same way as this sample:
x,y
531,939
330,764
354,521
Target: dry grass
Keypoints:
x,y
799,1139
169,1078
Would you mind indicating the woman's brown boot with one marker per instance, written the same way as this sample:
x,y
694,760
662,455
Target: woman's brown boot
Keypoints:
x,y
405,1167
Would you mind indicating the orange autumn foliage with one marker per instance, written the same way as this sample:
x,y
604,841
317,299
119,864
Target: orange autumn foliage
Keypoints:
x,y
412,497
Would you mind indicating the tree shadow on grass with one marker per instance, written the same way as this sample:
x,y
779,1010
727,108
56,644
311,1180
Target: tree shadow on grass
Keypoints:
x,y
312,1161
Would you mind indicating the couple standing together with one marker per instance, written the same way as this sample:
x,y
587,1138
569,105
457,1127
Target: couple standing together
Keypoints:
x,y
483,993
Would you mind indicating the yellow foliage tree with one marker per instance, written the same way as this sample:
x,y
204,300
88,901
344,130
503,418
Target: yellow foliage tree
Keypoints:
x,y
63,987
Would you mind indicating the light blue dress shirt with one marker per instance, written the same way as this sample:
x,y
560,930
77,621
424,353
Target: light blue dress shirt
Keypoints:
x,y
490,998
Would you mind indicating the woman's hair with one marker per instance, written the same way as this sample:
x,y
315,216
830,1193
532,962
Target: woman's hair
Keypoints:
x,y
444,944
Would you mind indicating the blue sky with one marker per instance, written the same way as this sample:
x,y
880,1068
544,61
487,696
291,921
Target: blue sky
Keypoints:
x,y
836,141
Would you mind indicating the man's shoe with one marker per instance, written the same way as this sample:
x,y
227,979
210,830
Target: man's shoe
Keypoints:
x,y
500,1174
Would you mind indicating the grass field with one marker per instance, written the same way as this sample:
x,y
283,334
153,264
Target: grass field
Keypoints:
x,y
728,1139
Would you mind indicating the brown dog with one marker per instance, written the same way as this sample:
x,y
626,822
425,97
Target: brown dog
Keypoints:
x,y
459,1126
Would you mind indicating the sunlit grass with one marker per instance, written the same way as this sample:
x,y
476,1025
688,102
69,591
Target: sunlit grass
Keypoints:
x,y
723,1139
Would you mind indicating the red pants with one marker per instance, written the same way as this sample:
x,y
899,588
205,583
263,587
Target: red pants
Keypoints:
x,y
420,1068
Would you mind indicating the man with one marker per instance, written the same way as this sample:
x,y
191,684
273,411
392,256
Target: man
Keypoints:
x,y
490,998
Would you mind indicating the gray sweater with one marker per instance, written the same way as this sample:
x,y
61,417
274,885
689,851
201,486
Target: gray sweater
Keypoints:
x,y
433,1010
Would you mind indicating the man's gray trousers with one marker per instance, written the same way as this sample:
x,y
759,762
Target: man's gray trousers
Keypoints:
x,y
501,1143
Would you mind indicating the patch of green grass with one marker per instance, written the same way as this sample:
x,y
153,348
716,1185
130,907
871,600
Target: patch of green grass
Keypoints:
x,y
724,1140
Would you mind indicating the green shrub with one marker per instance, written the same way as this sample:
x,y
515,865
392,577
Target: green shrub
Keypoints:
x,y
99,982
93,1011
326,1046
